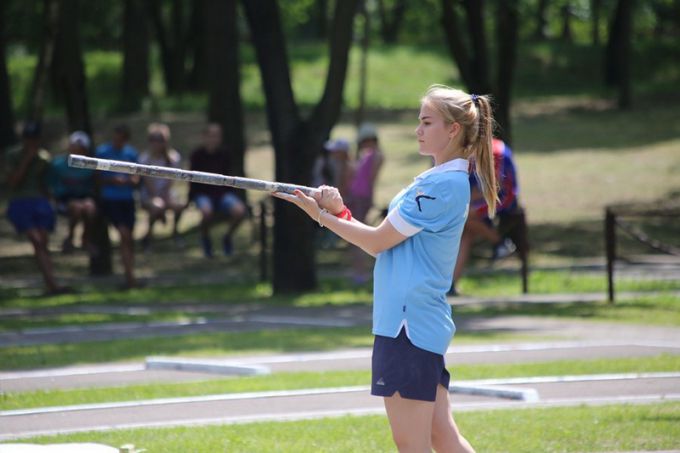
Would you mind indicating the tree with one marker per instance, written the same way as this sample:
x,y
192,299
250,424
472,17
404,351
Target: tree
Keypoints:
x,y
7,134
472,59
595,9
135,85
172,41
541,32
618,52
296,140
507,25
199,45
222,59
390,22
51,13
68,70
472,63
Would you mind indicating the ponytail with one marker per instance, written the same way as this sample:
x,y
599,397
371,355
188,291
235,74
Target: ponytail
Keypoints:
x,y
474,113
482,152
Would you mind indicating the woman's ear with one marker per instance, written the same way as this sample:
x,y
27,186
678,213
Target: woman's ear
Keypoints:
x,y
454,129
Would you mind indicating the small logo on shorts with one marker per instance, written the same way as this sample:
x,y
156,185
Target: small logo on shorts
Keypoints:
x,y
380,382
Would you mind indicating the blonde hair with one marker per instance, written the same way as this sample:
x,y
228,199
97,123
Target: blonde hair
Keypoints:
x,y
474,114
159,129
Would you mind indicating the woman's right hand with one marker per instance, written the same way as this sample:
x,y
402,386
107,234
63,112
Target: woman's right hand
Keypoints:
x,y
330,199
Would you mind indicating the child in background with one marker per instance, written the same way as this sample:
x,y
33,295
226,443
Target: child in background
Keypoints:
x,y
73,190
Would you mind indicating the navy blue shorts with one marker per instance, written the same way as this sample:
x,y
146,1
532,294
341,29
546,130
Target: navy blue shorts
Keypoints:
x,y
28,213
120,212
399,366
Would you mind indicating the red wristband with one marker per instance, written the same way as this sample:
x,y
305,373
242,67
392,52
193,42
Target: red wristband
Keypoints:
x,y
344,214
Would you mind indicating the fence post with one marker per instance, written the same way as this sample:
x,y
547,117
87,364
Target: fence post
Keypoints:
x,y
610,245
263,241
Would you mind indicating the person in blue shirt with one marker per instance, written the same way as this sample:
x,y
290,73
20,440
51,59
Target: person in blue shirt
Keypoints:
x,y
117,196
73,190
415,249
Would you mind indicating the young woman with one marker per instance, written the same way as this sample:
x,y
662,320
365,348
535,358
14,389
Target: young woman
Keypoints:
x,y
412,320
158,195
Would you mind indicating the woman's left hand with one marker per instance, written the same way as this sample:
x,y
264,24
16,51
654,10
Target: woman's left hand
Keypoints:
x,y
302,201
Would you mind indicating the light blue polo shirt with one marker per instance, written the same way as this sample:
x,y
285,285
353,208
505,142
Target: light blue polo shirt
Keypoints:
x,y
412,278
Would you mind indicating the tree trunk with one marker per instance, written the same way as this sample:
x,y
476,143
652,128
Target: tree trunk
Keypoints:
x,y
507,25
45,60
68,68
618,52
363,65
135,85
541,32
199,45
479,63
390,24
296,141
172,44
7,133
455,42
566,22
321,19
224,105
595,9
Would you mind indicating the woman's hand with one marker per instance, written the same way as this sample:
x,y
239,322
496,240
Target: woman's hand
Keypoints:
x,y
302,201
330,199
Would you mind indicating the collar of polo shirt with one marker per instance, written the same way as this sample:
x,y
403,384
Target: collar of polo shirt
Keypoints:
x,y
451,165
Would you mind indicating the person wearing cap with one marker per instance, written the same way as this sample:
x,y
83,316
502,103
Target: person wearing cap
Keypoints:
x,y
331,167
73,190
157,194
365,172
29,209
117,196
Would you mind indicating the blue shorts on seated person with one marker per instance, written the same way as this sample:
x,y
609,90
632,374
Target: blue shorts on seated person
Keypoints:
x,y
29,213
399,366
224,204
120,212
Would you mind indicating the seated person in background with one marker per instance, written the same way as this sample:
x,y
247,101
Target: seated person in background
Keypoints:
x,y
331,168
157,194
478,223
29,210
73,190
365,172
213,157
117,196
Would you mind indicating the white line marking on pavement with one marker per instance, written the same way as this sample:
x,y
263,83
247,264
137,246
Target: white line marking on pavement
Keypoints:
x,y
71,371
358,353
188,399
309,415
299,320
575,378
478,387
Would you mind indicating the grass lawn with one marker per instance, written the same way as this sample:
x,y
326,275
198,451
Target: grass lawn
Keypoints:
x,y
308,380
572,429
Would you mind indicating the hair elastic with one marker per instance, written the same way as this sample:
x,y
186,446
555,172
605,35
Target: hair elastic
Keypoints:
x,y
474,97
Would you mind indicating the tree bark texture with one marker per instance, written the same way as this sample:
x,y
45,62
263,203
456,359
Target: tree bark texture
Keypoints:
x,y
618,52
51,12
507,25
390,21
7,133
135,85
69,70
222,70
296,141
